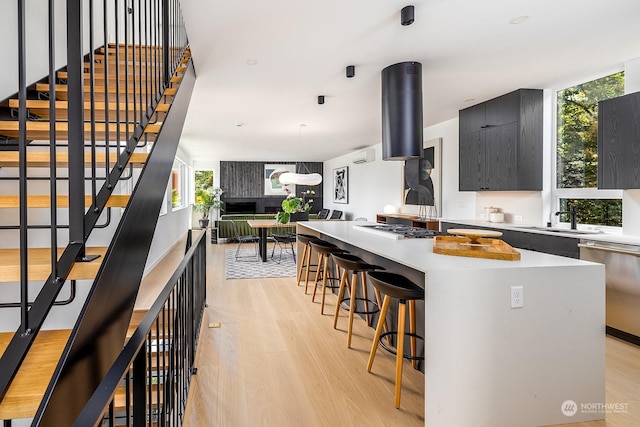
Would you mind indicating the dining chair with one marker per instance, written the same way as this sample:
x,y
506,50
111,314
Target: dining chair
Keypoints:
x,y
323,213
336,214
282,241
246,238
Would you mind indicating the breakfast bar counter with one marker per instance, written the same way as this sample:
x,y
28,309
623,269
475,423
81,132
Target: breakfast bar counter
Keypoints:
x,y
486,363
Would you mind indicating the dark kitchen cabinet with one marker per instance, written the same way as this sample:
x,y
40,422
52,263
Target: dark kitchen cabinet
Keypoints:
x,y
619,142
556,245
501,143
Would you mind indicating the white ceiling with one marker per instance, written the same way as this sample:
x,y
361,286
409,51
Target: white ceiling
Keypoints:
x,y
468,50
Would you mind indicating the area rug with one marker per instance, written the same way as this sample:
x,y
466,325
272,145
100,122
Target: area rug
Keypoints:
x,y
251,267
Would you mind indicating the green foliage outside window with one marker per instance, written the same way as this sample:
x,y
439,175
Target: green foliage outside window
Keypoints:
x,y
203,180
577,148
577,139
595,211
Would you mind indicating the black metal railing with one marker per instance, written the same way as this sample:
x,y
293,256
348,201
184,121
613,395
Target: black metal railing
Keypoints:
x,y
115,81
149,381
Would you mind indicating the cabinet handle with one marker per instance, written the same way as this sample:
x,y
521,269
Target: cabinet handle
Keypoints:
x,y
486,126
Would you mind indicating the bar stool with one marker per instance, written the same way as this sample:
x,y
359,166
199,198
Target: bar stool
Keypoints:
x,y
324,249
358,267
396,286
305,262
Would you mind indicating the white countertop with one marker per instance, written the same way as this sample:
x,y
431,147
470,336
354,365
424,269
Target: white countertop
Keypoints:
x,y
418,253
600,237
472,332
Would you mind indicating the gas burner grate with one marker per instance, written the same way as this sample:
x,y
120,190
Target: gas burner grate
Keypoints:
x,y
406,230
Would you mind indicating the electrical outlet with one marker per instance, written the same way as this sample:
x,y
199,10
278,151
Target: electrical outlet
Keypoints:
x,y
517,297
517,218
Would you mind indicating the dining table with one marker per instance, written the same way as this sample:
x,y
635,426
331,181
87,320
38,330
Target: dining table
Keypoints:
x,y
262,225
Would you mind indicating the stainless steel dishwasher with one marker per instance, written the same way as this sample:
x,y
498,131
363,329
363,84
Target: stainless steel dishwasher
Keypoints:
x,y
622,270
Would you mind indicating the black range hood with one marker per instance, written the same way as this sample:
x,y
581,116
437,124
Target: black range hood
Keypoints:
x,y
402,111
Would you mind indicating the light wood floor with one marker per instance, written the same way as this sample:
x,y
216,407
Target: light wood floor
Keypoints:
x,y
275,361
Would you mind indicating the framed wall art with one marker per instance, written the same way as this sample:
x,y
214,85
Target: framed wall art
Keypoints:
x,y
341,185
272,185
422,179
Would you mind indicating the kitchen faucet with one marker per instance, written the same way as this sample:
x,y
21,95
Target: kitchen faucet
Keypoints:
x,y
573,214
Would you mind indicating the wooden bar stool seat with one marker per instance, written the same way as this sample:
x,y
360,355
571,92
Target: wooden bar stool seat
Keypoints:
x,y
394,285
306,266
327,270
358,267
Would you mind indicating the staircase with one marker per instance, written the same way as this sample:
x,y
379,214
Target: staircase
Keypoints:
x,y
73,147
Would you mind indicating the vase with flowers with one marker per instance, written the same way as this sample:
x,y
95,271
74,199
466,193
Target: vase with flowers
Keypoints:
x,y
295,208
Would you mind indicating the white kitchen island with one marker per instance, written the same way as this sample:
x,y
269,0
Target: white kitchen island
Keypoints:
x,y
487,364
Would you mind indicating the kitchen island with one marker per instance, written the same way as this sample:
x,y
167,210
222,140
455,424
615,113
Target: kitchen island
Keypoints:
x,y
487,364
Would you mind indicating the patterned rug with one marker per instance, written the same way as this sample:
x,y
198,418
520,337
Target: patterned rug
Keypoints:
x,y
250,266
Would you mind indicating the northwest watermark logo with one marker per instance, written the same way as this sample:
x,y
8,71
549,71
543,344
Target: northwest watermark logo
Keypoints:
x,y
569,408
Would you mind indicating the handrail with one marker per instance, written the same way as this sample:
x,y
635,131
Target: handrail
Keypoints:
x,y
93,411
101,328
82,221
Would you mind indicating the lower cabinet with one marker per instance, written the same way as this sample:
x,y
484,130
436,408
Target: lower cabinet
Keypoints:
x,y
555,245
410,221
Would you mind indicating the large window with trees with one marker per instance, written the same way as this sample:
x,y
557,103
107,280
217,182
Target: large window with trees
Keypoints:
x,y
577,152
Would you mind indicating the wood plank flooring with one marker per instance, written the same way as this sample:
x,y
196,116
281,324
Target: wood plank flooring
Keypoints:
x,y
275,361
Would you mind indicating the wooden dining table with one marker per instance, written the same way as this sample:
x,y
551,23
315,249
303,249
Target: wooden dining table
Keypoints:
x,y
262,225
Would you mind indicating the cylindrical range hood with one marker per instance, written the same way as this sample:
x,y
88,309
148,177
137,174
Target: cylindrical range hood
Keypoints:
x,y
402,111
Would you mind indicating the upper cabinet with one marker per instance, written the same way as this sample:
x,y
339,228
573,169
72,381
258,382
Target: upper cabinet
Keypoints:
x,y
501,143
619,142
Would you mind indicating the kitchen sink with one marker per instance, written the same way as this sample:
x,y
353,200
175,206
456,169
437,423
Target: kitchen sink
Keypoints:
x,y
561,230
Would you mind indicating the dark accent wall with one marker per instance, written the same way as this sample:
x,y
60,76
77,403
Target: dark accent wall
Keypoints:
x,y
244,182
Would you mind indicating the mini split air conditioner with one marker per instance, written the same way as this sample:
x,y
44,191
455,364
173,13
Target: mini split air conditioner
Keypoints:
x,y
364,156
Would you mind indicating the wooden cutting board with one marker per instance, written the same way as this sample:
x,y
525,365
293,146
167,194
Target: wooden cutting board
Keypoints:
x,y
477,248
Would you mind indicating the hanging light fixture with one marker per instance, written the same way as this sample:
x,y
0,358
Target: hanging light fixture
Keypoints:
x,y
296,178
300,178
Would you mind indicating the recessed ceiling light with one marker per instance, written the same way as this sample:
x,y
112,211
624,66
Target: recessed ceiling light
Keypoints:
x,y
519,19
251,62
469,100
239,125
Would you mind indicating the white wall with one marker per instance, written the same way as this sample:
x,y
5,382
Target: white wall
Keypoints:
x,y
36,32
374,185
171,226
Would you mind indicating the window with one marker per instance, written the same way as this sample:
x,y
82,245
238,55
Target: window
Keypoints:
x,y
179,184
203,179
577,152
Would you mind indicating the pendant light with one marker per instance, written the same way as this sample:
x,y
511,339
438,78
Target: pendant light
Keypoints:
x,y
296,178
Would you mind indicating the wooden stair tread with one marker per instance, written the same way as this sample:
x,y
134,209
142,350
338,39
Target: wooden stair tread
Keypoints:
x,y
44,201
40,130
42,159
64,105
40,264
119,399
25,392
100,77
62,89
